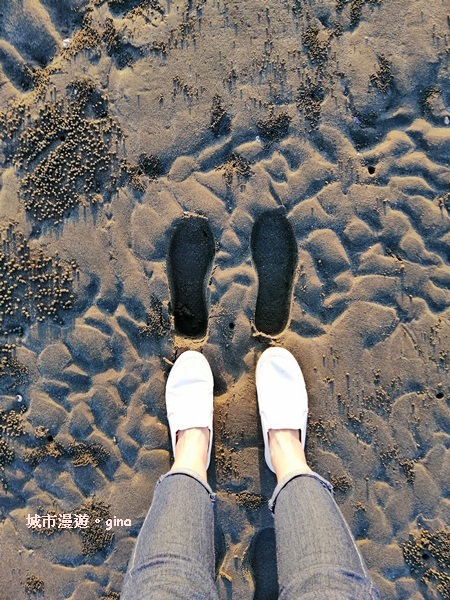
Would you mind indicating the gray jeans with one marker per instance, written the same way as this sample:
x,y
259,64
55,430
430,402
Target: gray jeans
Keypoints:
x,y
317,556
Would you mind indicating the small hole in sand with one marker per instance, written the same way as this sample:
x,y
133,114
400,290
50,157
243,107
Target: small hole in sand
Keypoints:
x,y
231,325
49,438
425,556
371,169
62,137
439,395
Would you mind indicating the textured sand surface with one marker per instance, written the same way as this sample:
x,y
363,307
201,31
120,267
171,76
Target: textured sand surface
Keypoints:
x,y
327,122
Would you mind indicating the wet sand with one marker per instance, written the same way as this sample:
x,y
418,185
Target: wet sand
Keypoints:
x,y
307,146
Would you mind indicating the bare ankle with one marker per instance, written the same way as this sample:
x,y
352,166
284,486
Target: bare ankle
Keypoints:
x,y
191,450
286,451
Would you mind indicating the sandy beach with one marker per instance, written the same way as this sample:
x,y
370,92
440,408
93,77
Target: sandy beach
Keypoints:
x,y
307,145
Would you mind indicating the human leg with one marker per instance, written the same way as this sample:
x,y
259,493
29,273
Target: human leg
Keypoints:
x,y
191,450
316,553
174,553
317,556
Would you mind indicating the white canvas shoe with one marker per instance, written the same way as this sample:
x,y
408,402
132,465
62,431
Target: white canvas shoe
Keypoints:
x,y
189,396
282,396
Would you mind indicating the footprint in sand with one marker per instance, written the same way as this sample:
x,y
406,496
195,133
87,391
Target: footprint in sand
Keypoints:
x,y
275,256
191,253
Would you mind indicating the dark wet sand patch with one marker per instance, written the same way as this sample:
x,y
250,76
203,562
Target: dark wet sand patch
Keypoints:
x,y
274,251
190,258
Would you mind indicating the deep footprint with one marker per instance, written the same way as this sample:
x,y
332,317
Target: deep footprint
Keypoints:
x,y
190,258
275,255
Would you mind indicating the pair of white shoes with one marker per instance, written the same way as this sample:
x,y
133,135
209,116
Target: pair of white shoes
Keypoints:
x,y
282,397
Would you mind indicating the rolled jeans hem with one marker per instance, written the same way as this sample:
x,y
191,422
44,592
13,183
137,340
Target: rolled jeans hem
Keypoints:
x,y
305,472
194,475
